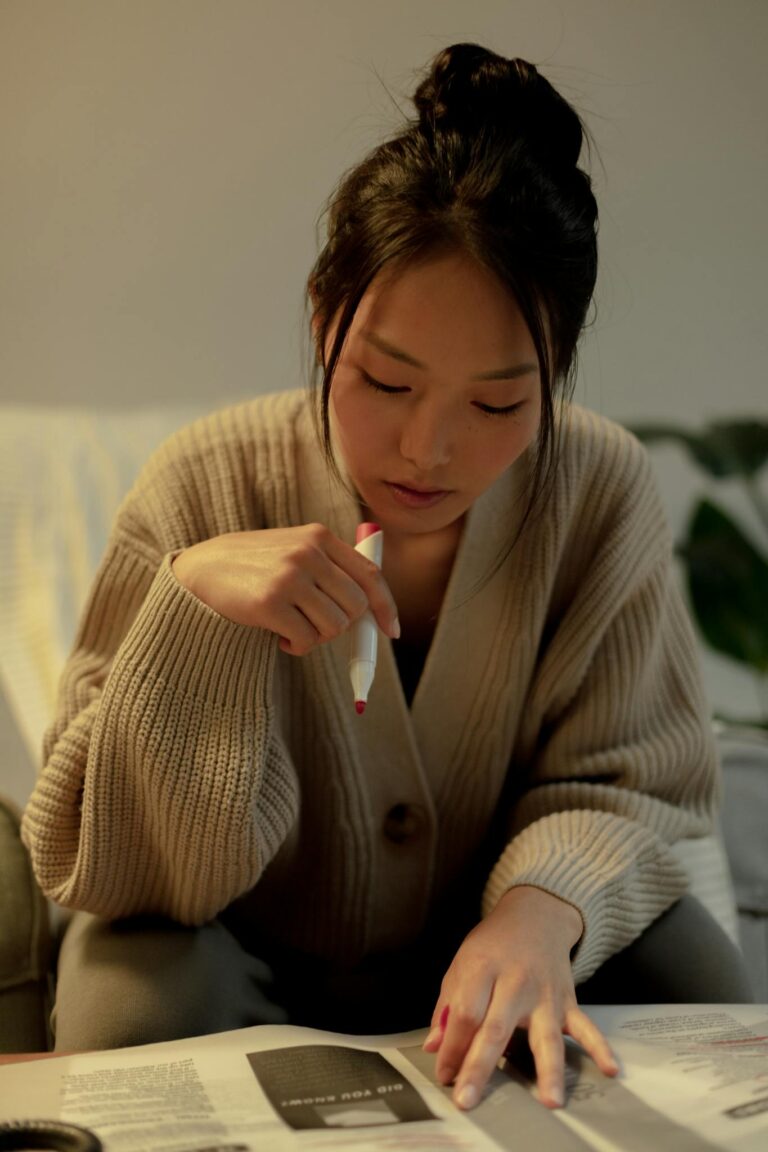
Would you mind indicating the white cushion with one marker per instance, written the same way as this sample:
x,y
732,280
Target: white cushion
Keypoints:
x,y
63,473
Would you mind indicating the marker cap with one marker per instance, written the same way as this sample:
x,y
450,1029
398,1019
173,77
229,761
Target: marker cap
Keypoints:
x,y
364,530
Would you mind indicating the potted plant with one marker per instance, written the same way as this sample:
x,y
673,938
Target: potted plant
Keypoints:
x,y
726,571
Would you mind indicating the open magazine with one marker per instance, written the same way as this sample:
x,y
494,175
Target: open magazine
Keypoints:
x,y
693,1077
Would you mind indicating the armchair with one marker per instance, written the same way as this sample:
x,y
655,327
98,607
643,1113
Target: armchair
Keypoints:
x,y
63,473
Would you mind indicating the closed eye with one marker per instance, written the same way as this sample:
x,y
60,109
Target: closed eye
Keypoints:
x,y
379,387
508,410
488,409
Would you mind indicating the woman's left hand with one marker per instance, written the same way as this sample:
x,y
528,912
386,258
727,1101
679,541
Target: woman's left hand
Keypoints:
x,y
513,970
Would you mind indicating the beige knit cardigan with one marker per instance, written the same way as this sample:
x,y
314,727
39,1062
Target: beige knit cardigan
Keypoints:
x,y
191,761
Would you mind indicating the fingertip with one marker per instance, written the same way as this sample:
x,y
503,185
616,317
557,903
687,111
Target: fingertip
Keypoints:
x,y
392,629
445,1075
554,1098
433,1041
466,1097
606,1061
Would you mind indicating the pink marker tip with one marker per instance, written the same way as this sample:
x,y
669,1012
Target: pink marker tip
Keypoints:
x,y
359,707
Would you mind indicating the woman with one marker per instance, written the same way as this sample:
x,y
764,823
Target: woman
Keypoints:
x,y
495,829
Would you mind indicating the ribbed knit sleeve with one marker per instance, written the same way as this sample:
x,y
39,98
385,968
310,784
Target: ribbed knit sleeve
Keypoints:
x,y
166,787
621,754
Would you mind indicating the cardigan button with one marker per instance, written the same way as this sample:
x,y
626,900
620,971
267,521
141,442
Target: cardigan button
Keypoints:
x,y
403,822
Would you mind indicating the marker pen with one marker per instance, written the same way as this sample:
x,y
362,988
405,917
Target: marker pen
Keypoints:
x,y
365,632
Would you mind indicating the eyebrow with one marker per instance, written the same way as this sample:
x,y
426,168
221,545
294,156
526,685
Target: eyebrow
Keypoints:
x,y
388,349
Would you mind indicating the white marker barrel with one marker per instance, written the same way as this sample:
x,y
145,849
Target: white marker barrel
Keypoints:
x,y
365,632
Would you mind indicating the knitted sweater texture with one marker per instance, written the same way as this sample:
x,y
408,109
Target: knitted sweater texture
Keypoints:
x,y
559,720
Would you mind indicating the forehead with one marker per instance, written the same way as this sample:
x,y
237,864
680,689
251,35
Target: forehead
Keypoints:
x,y
453,272
449,297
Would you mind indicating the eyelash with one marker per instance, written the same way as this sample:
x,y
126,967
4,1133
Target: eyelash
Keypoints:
x,y
486,409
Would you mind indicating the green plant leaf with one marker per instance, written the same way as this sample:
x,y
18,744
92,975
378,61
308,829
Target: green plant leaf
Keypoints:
x,y
723,448
741,445
728,585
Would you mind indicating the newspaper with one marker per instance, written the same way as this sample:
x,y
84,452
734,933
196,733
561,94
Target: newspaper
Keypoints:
x,y
693,1077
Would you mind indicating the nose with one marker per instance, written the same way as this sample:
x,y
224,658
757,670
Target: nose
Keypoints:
x,y
427,437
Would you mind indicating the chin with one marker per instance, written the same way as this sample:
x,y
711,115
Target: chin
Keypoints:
x,y
419,523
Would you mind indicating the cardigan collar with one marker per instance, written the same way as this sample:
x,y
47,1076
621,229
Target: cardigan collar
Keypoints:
x,y
450,695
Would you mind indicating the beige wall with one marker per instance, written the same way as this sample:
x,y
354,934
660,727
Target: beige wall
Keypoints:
x,y
164,163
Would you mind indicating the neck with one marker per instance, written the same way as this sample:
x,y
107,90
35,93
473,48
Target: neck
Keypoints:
x,y
412,546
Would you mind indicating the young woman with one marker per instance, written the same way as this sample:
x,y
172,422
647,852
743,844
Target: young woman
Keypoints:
x,y
495,830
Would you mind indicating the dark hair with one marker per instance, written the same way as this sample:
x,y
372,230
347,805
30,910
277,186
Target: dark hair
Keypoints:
x,y
489,168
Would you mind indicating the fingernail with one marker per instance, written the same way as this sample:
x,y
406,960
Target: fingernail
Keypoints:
x,y
467,1096
556,1095
396,630
433,1037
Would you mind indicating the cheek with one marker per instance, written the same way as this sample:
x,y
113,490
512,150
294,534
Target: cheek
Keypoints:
x,y
500,451
358,433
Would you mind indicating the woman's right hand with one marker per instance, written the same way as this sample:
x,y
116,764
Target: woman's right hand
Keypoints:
x,y
302,583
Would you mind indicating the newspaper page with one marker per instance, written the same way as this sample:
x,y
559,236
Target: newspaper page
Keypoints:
x,y
275,1087
703,1067
693,1077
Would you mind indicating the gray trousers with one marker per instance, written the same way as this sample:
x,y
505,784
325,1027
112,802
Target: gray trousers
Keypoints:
x,y
145,980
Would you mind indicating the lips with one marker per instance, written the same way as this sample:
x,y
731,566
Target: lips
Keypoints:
x,y
418,490
416,497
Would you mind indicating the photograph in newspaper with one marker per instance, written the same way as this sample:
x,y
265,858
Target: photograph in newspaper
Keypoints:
x,y
320,1086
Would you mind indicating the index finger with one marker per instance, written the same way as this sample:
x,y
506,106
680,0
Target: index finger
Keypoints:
x,y
487,1048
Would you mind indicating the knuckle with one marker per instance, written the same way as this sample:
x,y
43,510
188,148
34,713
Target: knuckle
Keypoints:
x,y
379,589
336,627
481,965
496,1031
301,555
546,1037
272,599
371,568
519,985
316,534
358,603
465,1018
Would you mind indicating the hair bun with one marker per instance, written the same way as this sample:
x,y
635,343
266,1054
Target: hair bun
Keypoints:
x,y
471,89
